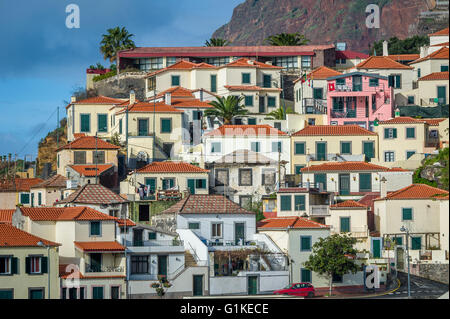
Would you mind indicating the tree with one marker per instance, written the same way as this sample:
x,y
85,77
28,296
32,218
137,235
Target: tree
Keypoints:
x,y
98,66
115,40
226,108
287,39
396,46
278,114
217,42
332,256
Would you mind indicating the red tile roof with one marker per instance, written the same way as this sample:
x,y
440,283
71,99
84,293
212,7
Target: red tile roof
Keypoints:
x,y
381,62
186,103
442,53
348,54
206,204
418,191
404,57
150,107
435,76
11,236
64,213
321,73
54,181
125,222
349,204
402,120
6,215
99,246
183,65
98,100
244,156
288,223
89,142
18,184
171,167
176,91
247,63
333,130
249,88
345,166
434,122
91,170
94,194
246,130
440,32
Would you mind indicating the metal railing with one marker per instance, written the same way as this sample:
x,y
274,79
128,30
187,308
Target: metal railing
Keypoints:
x,y
324,157
154,243
319,210
101,268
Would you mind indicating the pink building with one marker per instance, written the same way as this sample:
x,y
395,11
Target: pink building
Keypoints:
x,y
359,98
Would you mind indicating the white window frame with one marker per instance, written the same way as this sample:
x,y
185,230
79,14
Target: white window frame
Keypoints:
x,y
213,230
8,260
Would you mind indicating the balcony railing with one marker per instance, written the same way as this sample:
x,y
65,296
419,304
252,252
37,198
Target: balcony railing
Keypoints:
x,y
324,157
319,210
221,242
154,243
101,268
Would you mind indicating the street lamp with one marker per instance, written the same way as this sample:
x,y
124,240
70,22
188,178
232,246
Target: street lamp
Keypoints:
x,y
41,244
405,230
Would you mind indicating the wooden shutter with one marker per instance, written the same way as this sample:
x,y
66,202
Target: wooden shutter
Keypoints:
x,y
299,148
345,224
394,132
305,243
27,265
299,202
214,83
365,182
346,148
102,123
166,125
407,213
14,265
285,202
44,265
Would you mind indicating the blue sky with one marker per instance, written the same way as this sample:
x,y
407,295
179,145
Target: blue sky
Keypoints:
x,y
42,61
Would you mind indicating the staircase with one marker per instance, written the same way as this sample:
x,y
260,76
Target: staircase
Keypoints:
x,y
189,260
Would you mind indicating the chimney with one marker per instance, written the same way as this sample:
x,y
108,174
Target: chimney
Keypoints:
x,y
73,99
385,48
383,187
132,97
423,51
201,95
397,112
168,98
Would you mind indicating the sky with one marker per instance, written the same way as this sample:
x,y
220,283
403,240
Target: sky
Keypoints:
x,y
42,61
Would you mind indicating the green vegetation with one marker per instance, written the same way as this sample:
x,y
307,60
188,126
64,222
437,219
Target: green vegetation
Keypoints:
x,y
115,40
396,46
227,108
104,76
217,42
98,66
442,177
287,39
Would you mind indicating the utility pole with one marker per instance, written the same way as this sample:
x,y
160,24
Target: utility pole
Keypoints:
x,y
279,165
96,158
57,127
154,121
404,229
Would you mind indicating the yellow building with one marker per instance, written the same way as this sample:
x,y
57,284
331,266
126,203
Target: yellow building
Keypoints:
x,y
28,265
16,192
49,191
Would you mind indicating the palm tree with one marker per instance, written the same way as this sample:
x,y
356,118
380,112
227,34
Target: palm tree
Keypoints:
x,y
278,114
226,108
217,42
287,39
117,39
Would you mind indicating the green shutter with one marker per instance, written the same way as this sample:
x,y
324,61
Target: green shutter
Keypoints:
x,y
151,182
398,82
298,169
200,183
318,93
39,199
285,201
345,224
305,275
299,148
245,78
102,123
365,182
166,125
305,243
340,81
267,79
151,236
276,147
97,293
416,243
321,179
120,126
85,122
191,185
214,83
346,147
407,214
24,198
255,146
44,265
249,100
271,101
368,150
410,132
299,202
27,265
386,133
6,294
409,154
395,132
398,241
95,228
175,80
14,265
251,121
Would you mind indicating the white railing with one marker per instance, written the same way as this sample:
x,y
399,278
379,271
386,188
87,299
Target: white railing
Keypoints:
x,y
319,210
195,246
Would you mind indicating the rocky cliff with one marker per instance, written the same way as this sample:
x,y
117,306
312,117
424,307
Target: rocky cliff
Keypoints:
x,y
47,147
325,21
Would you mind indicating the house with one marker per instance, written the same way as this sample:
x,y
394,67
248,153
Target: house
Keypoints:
x,y
416,207
352,180
28,265
359,98
311,92
97,197
405,141
16,191
319,143
243,176
91,261
400,76
436,61
439,38
433,89
89,159
49,191
264,139
347,59
222,235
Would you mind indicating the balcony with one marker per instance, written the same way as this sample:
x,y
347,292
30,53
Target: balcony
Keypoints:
x,y
103,269
325,157
221,244
319,210
155,246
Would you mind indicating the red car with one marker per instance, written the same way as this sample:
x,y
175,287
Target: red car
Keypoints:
x,y
300,289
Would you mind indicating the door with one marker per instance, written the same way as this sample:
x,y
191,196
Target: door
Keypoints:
x,y
262,107
252,282
96,262
191,186
321,151
442,95
144,213
198,285
376,248
36,294
368,150
357,82
239,235
162,265
97,293
115,293
344,184
142,127
138,237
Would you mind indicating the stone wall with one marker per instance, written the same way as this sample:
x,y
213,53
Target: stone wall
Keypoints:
x,y
121,87
432,271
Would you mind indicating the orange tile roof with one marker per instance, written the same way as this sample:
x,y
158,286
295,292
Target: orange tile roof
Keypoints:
x,y
418,191
247,63
249,88
402,120
246,130
54,181
150,107
334,130
381,62
99,246
91,170
321,73
349,204
440,54
345,166
434,122
18,184
126,222
98,100
440,32
195,103
176,91
11,236
89,142
171,167
6,215
443,44
288,223
64,213
183,65
404,57
435,76
78,135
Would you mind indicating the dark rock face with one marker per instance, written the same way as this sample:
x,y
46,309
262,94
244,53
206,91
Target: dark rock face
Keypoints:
x,y
324,21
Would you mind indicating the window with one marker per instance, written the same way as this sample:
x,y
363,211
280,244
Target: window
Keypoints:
x,y
398,241
200,183
194,226
248,100
409,154
340,82
269,177
95,229
390,133
166,125
149,64
298,169
139,265
171,60
305,243
321,179
276,147
287,62
368,150
285,202
85,123
395,81
410,132
444,68
267,81
24,198
245,201
277,125
79,157
63,293
407,214
418,73
346,148
305,275
373,82
175,80
218,61
151,235
299,202
416,243
73,293
251,121
216,230
37,293
168,183
115,292
389,156
36,265
8,265
299,148
142,127
245,78
120,126
306,62
311,121
216,147
97,292
39,199
255,146
318,93
151,84
221,178
102,123
98,157
345,224
213,83
365,182
82,293
6,294
245,177
271,101
411,99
